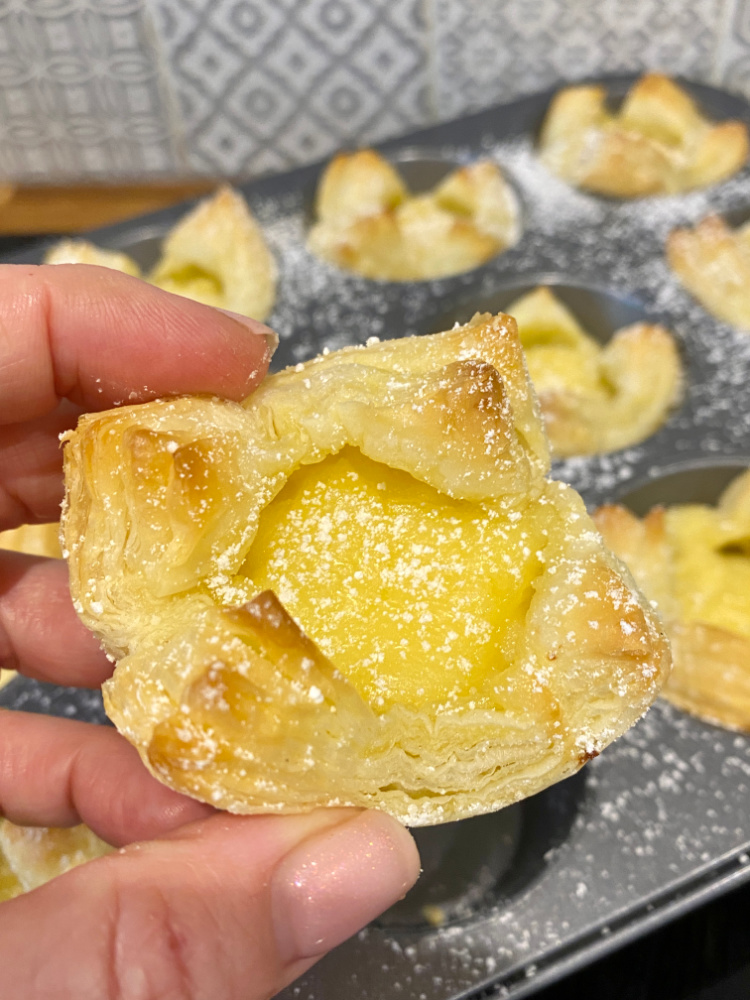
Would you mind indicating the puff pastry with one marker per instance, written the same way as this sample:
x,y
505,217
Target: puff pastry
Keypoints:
x,y
713,262
31,856
658,143
34,540
369,223
467,638
694,562
594,398
216,255
84,252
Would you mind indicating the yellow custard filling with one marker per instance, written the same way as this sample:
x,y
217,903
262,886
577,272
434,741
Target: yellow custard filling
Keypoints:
x,y
712,569
194,282
10,886
416,597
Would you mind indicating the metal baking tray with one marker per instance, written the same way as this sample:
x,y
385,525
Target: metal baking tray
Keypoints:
x,y
661,821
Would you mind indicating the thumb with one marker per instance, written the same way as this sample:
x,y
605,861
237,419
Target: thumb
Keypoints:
x,y
232,907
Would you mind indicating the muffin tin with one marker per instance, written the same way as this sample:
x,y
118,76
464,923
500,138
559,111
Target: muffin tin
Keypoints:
x,y
661,821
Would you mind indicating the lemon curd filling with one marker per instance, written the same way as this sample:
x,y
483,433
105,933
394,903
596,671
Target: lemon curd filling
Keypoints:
x,y
10,886
194,282
416,597
712,570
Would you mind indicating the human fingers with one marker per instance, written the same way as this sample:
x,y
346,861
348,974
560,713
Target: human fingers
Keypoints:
x,y
100,338
31,481
232,907
40,634
57,772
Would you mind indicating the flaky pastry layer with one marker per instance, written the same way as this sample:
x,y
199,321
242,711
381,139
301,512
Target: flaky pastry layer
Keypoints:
x,y
712,261
380,492
32,855
658,143
33,539
368,222
693,562
216,255
593,398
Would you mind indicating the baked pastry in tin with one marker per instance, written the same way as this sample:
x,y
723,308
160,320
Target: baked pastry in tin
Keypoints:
x,y
216,255
356,588
596,398
693,561
368,222
712,261
659,142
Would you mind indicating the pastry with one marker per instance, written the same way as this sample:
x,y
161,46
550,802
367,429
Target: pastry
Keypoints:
x,y
34,540
369,223
693,561
596,398
216,255
32,855
84,252
713,262
356,588
657,143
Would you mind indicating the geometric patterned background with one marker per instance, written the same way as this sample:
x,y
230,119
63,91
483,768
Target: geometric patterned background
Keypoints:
x,y
263,85
110,89
82,92
492,50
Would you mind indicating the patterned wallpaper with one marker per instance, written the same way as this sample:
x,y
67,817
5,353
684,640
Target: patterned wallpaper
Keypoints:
x,y
266,85
82,92
120,88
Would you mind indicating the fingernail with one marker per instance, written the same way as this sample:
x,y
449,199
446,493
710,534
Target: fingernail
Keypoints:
x,y
337,881
255,326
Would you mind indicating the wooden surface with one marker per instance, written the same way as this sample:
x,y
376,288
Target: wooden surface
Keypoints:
x,y
31,210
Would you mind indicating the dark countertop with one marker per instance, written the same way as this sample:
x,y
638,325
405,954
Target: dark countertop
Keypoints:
x,y
702,956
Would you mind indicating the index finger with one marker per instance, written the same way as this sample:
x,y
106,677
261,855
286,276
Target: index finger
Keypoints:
x,y
101,338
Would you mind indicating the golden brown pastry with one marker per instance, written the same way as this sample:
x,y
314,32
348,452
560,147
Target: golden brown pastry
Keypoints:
x,y
356,588
84,252
593,398
369,223
216,255
658,143
32,855
713,262
694,562
34,540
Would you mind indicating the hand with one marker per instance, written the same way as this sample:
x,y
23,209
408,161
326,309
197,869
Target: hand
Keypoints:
x,y
200,904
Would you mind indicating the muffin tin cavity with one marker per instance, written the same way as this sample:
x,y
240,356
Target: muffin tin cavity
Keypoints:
x,y
145,250
470,866
694,482
411,218
606,376
422,170
599,311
